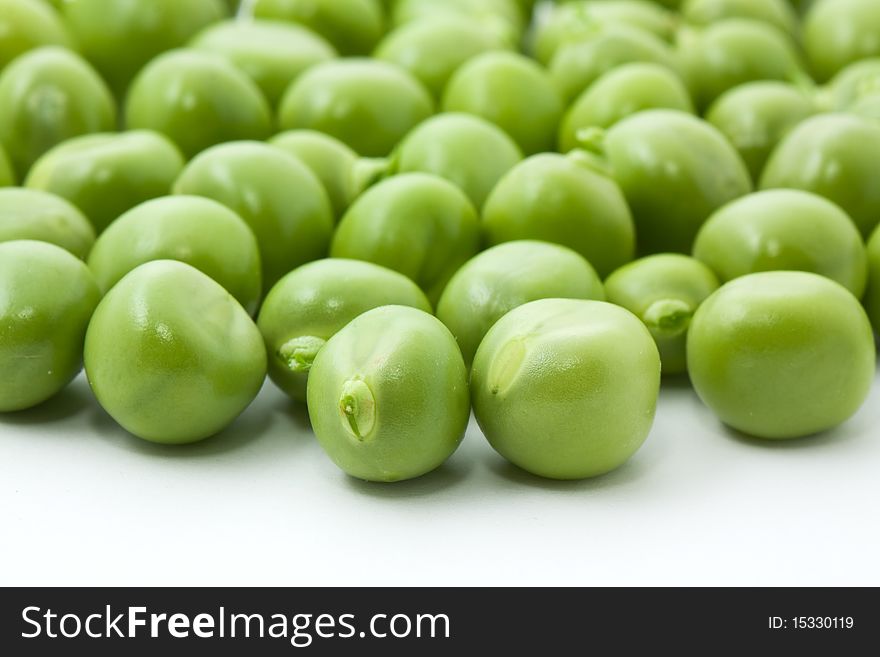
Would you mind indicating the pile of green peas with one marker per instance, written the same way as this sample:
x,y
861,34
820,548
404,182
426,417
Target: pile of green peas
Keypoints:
x,y
407,210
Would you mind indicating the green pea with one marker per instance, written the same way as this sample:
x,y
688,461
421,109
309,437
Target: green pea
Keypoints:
x,y
562,199
778,13
566,388
27,214
836,156
271,53
197,100
417,224
839,32
107,174
313,302
48,95
388,395
872,296
367,104
25,25
854,82
500,17
48,296
198,231
277,195
7,175
512,92
781,354
506,276
622,91
445,145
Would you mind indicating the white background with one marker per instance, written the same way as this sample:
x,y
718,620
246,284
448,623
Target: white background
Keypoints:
x,y
84,503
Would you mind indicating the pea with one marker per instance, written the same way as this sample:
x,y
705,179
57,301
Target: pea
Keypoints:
x,y
7,175
171,356
48,95
25,25
663,290
507,276
854,82
367,104
781,354
281,200
839,32
197,100
27,214
313,302
872,297
104,175
778,13
566,388
512,92
417,224
198,231
561,199
48,296
388,395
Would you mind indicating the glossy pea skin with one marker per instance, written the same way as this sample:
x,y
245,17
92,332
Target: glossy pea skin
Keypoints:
x,y
778,13
781,354
507,276
854,82
171,356
106,174
565,388
756,116
872,296
281,200
49,95
313,302
417,224
512,92
271,53
388,395
7,175
560,199
500,17
867,108
25,25
191,229
836,156
197,100
47,296
27,214
466,150
839,32
619,93
367,104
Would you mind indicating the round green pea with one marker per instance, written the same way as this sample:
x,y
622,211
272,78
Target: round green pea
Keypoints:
x,y
872,296
25,25
781,354
195,230
104,175
313,302
27,214
388,395
839,32
854,82
566,388
778,13
171,356
47,296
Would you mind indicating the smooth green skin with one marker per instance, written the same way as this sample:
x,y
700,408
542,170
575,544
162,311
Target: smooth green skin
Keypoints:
x,y
7,175
868,108
271,53
872,295
836,156
856,81
277,195
566,389
509,275
500,17
47,296
757,115
445,145
367,104
29,214
107,174
354,27
511,91
388,395
784,229
577,65
49,95
417,224
619,93
781,354
562,199
778,13
197,99
675,170
839,32
119,37
732,52
25,25
664,291
191,229
313,302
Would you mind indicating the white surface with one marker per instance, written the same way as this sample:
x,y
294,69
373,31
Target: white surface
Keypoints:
x,y
81,502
